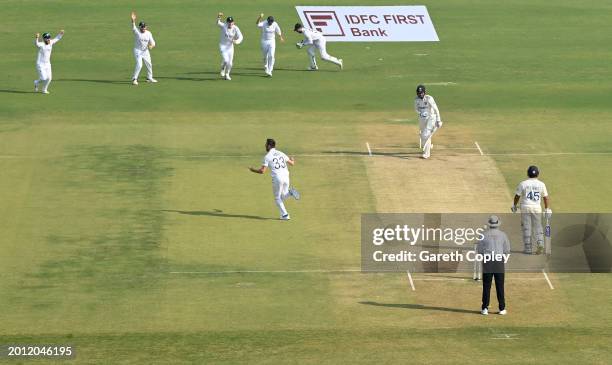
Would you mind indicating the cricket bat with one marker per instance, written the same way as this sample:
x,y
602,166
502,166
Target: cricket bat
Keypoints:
x,y
547,239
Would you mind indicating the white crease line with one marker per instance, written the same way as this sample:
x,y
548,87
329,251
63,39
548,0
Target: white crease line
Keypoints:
x,y
547,279
369,149
410,279
549,154
479,149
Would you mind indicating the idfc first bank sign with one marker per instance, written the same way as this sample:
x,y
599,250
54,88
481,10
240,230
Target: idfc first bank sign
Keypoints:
x,y
370,23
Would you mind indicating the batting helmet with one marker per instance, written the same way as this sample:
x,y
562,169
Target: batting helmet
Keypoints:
x,y
297,26
533,171
420,89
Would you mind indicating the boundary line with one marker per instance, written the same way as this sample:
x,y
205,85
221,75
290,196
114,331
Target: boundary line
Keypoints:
x,y
547,280
479,149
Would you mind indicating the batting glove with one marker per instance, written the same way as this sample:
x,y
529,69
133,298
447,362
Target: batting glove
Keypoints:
x,y
548,213
299,45
514,209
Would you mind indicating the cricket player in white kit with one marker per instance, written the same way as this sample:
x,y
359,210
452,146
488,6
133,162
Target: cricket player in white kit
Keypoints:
x,y
278,163
43,60
315,40
230,35
429,118
143,42
269,30
530,193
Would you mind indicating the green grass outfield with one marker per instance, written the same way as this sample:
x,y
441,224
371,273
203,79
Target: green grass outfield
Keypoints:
x,y
108,190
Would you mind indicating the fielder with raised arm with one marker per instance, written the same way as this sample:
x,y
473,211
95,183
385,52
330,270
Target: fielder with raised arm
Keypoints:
x,y
530,193
278,163
269,30
429,118
43,60
230,35
143,42
315,40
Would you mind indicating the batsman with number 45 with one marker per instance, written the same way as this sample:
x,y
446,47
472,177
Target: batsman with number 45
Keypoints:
x,y
530,193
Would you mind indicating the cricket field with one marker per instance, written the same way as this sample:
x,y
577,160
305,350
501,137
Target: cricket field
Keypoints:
x,y
133,230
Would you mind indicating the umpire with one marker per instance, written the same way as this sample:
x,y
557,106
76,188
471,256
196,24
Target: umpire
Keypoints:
x,y
494,241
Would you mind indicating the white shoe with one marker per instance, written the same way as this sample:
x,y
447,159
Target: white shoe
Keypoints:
x,y
484,312
269,73
341,63
151,80
222,73
294,193
503,313
315,68
45,92
36,85
134,82
286,217
227,77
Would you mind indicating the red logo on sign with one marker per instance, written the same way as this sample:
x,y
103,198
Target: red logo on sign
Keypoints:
x,y
325,22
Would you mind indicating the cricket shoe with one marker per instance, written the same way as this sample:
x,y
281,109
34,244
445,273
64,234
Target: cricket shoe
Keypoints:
x,y
502,312
152,80
341,64
484,312
35,85
269,74
135,82
45,92
311,68
227,77
294,193
222,73
285,217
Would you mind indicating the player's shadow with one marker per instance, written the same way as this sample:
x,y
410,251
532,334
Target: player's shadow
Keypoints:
x,y
17,91
216,213
421,307
402,155
234,73
288,69
98,81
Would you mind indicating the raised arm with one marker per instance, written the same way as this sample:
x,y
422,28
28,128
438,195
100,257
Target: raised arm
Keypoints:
x,y
37,41
133,17
58,36
219,22
259,19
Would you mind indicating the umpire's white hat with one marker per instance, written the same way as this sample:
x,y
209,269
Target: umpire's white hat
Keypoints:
x,y
494,221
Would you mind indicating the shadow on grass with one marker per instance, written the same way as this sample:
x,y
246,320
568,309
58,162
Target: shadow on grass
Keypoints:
x,y
216,213
422,307
124,82
17,91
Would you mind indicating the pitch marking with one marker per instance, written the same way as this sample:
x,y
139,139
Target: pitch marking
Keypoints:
x,y
369,149
410,279
479,149
547,279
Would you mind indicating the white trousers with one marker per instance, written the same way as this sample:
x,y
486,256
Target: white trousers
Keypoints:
x,y
280,190
268,49
227,56
142,56
531,222
320,45
44,74
427,127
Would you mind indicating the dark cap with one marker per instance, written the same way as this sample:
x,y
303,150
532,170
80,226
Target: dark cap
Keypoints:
x,y
142,25
270,20
46,36
229,19
297,26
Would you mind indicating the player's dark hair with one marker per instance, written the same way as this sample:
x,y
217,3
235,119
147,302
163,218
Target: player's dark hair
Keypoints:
x,y
297,26
142,25
270,142
270,20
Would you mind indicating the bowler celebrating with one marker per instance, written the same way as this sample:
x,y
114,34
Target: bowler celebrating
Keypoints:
x,y
143,42
278,163
316,40
43,60
429,118
530,193
269,30
230,35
